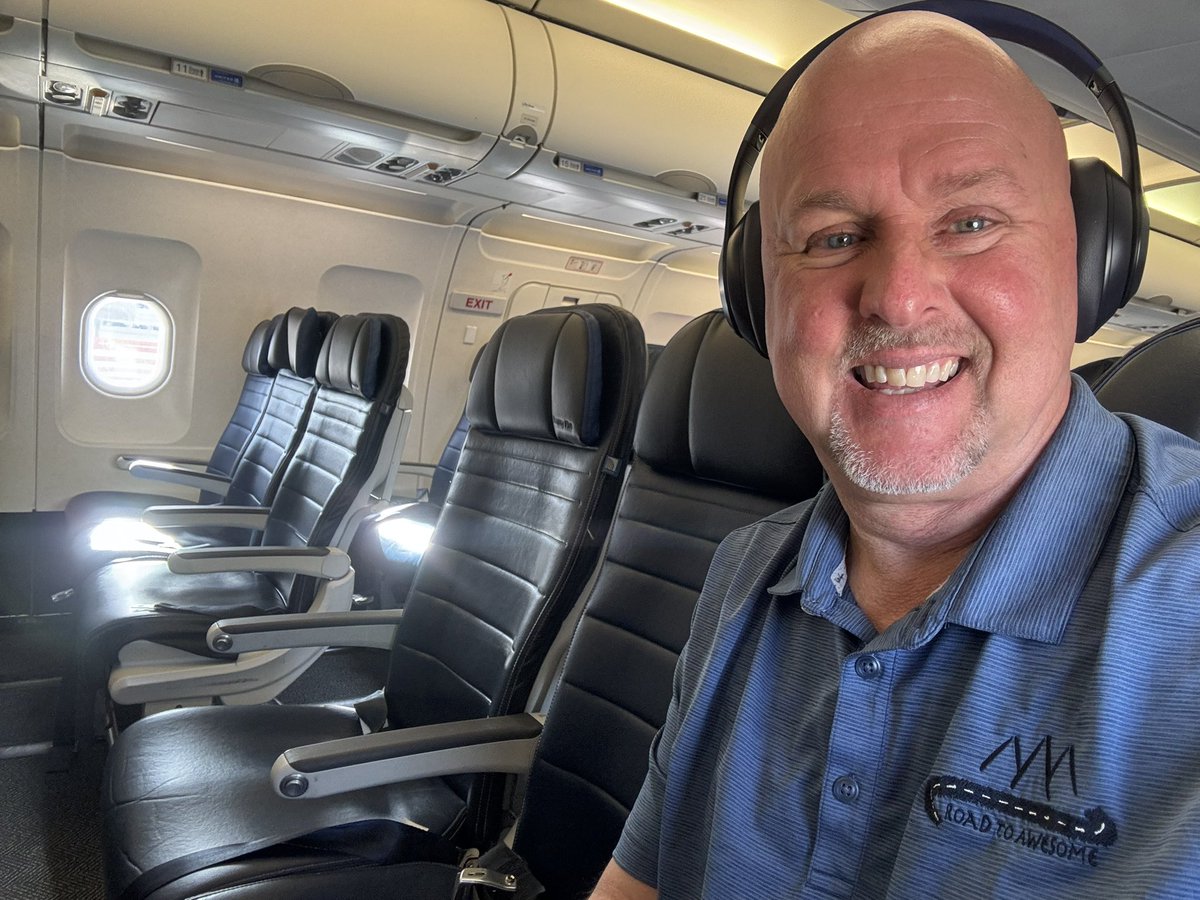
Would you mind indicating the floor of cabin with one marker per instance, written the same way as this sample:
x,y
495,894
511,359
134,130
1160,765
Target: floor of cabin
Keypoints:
x,y
51,820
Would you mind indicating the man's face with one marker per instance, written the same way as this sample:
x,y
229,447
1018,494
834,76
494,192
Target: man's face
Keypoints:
x,y
919,258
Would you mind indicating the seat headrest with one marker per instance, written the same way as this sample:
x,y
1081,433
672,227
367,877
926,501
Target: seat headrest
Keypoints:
x,y
255,357
1158,380
540,376
365,355
296,344
711,411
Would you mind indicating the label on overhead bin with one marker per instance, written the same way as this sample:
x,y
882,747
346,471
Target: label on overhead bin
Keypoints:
x,y
584,264
189,69
223,76
480,304
576,165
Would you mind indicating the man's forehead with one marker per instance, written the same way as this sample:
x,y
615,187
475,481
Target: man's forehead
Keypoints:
x,y
938,184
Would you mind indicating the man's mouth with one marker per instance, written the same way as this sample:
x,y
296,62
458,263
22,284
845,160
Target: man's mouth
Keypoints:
x,y
889,380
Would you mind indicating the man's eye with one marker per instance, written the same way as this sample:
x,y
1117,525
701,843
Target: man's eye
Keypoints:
x,y
838,241
970,225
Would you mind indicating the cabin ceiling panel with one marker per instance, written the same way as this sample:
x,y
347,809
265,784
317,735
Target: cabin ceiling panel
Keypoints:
x,y
744,43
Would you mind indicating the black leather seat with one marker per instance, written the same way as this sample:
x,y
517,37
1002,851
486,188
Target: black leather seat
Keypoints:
x,y
715,450
1093,371
153,613
551,408
1135,383
390,543
292,354
85,510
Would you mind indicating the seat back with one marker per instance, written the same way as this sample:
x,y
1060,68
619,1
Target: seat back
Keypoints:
x,y
551,410
715,450
260,375
349,442
294,349
1153,379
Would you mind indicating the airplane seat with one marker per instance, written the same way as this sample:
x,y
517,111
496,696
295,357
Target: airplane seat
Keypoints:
x,y
388,547
389,544
551,413
149,615
292,355
1093,371
85,510
714,450
1152,380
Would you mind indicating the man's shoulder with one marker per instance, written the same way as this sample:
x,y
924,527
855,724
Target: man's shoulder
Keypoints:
x,y
769,534
1167,473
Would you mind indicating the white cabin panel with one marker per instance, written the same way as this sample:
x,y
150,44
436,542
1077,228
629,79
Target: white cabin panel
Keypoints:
x,y
255,254
682,286
18,325
100,263
525,261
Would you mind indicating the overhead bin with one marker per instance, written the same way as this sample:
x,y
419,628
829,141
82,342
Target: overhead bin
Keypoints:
x,y
466,93
423,94
637,141
20,66
640,114
387,56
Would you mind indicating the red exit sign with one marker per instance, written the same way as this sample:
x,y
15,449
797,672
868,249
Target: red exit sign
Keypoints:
x,y
482,304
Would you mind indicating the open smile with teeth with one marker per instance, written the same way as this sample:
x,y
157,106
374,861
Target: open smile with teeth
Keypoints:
x,y
906,381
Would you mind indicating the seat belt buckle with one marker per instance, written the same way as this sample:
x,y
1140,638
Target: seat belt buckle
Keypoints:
x,y
478,876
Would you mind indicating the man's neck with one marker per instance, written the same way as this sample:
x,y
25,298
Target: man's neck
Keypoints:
x,y
898,553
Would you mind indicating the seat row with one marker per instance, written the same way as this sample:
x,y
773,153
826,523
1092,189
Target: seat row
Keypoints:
x,y
322,417
563,526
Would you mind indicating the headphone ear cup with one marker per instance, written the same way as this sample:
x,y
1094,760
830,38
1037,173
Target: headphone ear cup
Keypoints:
x,y
1105,243
743,295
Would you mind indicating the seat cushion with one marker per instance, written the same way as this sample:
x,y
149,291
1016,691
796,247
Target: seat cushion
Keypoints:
x,y
124,537
188,780
84,510
141,598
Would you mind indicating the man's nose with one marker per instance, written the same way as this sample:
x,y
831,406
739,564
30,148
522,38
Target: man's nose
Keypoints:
x,y
902,283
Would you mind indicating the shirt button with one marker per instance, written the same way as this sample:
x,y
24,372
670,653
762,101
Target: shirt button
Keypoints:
x,y
868,667
846,789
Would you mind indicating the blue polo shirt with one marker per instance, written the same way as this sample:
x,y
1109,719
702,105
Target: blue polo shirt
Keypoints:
x,y
1032,729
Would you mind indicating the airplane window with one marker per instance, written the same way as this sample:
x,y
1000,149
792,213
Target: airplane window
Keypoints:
x,y
127,344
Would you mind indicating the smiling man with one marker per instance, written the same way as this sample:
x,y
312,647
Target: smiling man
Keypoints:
x,y
967,668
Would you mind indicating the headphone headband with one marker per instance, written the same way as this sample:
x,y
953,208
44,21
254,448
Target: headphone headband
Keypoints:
x,y
997,21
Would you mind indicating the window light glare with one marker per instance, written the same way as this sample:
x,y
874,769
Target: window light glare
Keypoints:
x,y
407,535
115,535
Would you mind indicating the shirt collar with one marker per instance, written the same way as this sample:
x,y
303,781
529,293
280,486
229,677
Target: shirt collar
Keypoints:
x,y
1024,575
1027,572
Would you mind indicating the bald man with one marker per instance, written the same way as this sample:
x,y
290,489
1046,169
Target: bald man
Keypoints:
x,y
969,666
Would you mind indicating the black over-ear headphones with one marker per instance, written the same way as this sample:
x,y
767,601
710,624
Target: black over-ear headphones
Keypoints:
x,y
1111,220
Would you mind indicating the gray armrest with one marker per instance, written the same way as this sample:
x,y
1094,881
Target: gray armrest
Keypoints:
x,y
498,744
174,473
319,562
125,460
368,628
216,516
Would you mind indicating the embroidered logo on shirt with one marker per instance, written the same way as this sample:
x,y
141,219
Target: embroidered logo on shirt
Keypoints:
x,y
1039,826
